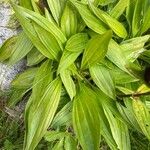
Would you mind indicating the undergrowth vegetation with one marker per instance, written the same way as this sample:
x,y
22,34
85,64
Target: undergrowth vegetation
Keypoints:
x,y
88,75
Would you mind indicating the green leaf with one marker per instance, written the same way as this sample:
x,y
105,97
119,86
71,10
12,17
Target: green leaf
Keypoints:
x,y
105,129
115,55
96,49
63,117
54,135
77,42
70,143
39,117
142,116
26,4
129,13
22,47
69,20
86,121
56,8
132,48
48,41
119,130
67,60
90,20
105,2
42,79
16,96
103,79
115,25
146,23
59,145
25,14
34,57
25,79
127,113
49,16
6,50
137,17
118,10
31,33
68,83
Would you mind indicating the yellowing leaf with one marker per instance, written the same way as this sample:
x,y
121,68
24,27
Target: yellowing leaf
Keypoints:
x,y
96,49
86,121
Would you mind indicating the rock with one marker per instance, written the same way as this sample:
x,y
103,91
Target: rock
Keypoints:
x,y
8,28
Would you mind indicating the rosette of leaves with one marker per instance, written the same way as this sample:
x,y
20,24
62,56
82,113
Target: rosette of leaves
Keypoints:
x,y
86,71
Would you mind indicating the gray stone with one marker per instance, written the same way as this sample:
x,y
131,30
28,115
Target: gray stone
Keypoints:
x,y
7,30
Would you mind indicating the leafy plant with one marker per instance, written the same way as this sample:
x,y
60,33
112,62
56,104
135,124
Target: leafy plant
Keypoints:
x,y
87,79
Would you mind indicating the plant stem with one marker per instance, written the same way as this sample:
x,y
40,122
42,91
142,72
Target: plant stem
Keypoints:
x,y
134,95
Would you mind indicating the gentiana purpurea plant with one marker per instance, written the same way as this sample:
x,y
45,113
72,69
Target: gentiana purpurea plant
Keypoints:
x,y
87,76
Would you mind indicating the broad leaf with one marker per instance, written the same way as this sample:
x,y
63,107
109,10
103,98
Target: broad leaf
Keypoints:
x,y
119,130
67,60
69,20
137,16
68,83
56,8
25,14
22,47
103,79
96,49
86,121
134,47
142,116
48,41
90,20
34,57
16,96
115,25
146,23
129,13
6,50
77,42
39,117
26,4
63,117
54,135
115,55
42,79
127,113
118,10
25,79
